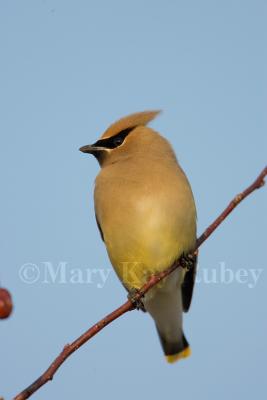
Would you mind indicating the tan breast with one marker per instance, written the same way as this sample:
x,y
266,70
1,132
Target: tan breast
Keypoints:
x,y
147,214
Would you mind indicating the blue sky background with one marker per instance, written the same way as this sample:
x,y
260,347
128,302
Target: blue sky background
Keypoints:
x,y
69,69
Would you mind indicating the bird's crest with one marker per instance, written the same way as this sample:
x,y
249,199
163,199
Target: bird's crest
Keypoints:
x,y
130,121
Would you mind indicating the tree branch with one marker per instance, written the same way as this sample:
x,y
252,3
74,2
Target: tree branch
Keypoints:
x,y
130,305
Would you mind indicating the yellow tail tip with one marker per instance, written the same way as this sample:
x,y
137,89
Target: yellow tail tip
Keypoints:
x,y
176,357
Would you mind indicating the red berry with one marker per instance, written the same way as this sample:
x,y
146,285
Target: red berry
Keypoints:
x,y
5,303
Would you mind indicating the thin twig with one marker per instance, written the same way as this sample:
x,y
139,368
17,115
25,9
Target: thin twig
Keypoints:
x,y
129,305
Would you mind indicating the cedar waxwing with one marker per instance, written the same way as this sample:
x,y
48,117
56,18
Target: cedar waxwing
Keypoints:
x,y
146,216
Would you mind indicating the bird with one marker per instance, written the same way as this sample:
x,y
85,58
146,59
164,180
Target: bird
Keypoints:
x,y
146,215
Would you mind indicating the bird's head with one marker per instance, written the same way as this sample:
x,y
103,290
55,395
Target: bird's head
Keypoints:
x,y
122,138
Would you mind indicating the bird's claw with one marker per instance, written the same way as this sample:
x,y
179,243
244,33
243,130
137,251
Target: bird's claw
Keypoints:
x,y
137,303
187,261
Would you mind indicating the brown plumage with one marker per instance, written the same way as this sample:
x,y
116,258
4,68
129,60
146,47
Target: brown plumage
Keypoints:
x,y
146,214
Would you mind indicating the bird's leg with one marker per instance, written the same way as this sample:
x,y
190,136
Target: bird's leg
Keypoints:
x,y
138,304
188,261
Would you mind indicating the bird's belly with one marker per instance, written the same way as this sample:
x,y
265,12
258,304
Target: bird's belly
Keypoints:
x,y
149,240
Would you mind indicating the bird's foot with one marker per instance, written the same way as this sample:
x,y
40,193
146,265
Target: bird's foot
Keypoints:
x,y
137,303
187,261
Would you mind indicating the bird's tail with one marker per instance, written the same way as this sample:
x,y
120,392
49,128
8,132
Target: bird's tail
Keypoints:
x,y
166,308
174,350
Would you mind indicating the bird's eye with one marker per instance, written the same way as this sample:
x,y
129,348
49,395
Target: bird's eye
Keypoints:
x,y
118,141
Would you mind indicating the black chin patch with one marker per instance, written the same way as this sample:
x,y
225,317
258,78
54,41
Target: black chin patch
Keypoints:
x,y
114,141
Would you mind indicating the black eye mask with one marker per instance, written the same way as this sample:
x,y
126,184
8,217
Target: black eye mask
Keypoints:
x,y
114,141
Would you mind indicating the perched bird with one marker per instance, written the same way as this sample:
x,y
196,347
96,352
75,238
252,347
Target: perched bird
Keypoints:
x,y
146,215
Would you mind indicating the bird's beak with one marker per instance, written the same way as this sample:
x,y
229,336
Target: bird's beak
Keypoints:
x,y
90,148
